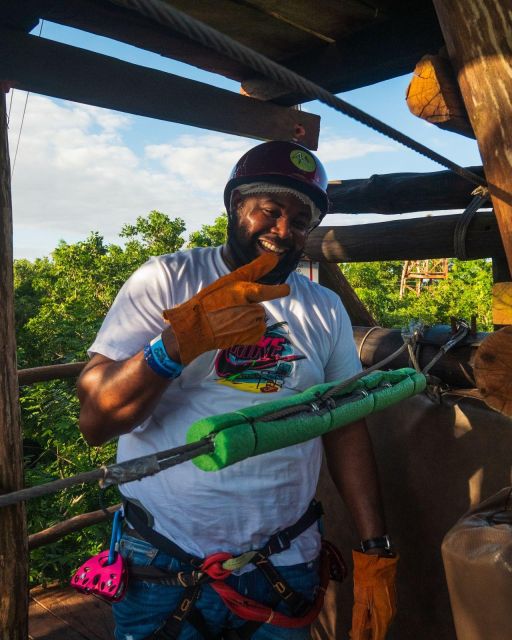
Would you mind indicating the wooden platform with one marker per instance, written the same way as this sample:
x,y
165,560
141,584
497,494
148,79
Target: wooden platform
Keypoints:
x,y
58,613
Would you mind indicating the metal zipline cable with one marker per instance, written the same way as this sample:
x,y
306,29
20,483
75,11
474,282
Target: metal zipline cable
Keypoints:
x,y
139,468
169,16
121,472
22,117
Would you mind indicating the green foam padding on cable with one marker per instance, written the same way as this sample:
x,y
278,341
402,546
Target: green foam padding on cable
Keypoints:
x,y
241,434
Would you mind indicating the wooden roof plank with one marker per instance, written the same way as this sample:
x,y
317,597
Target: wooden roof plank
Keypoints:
x,y
51,68
245,23
111,21
329,19
382,51
388,44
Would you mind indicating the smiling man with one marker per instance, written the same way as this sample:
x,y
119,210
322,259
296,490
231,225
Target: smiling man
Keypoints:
x,y
212,330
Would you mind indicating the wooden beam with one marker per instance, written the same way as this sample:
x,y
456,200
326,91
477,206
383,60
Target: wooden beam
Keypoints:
x,y
493,368
414,239
502,303
119,23
77,523
392,193
388,47
331,276
478,35
434,96
51,68
13,537
500,274
383,50
50,372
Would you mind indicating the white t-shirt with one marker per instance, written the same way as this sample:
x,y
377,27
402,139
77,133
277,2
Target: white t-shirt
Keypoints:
x,y
308,341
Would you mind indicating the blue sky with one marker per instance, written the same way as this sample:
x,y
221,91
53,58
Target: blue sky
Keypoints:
x,y
80,168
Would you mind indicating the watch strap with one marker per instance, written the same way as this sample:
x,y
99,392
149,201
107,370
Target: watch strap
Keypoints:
x,y
380,542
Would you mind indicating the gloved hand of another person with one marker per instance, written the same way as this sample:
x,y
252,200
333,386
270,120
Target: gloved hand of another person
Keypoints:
x,y
374,596
225,313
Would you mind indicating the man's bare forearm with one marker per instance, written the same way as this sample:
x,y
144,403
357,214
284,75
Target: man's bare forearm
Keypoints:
x,y
351,464
116,396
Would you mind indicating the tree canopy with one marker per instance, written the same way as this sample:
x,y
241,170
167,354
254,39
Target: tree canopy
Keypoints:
x,y
465,292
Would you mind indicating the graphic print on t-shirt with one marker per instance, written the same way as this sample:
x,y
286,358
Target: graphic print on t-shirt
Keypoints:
x,y
259,368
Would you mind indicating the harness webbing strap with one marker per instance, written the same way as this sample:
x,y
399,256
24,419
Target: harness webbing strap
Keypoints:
x,y
281,540
137,517
278,542
172,627
297,604
213,571
250,609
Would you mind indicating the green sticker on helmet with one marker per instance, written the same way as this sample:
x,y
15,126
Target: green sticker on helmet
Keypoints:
x,y
303,160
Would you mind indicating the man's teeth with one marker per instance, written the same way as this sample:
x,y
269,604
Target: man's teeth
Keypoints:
x,y
269,246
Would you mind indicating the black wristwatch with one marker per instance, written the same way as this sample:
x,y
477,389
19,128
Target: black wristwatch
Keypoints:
x,y
382,542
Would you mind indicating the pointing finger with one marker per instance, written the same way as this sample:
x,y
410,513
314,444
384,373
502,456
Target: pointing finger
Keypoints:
x,y
262,292
256,269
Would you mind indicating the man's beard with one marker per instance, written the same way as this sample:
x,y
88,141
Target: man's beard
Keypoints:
x,y
244,249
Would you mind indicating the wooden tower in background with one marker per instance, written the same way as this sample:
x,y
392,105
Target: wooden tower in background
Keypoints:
x,y
419,273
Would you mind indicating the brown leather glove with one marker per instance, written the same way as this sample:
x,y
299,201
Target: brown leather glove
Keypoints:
x,y
374,596
226,312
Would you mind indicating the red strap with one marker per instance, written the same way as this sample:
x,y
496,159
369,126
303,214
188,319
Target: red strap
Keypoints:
x,y
212,565
249,609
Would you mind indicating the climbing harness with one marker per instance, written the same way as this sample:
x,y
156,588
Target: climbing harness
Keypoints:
x,y
104,575
215,569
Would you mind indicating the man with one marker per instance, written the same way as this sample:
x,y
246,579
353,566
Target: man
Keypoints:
x,y
241,326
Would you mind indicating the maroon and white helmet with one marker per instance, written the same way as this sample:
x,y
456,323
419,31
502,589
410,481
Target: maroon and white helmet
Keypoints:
x,y
283,163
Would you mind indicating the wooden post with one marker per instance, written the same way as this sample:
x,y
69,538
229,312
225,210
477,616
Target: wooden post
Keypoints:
x,y
433,94
13,537
478,36
331,276
500,276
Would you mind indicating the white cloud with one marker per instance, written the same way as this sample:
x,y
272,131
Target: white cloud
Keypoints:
x,y
76,172
205,165
335,148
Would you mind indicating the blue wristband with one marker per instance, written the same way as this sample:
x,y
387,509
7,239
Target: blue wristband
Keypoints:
x,y
158,359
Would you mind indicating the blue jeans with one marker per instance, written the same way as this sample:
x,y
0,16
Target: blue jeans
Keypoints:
x,y
147,605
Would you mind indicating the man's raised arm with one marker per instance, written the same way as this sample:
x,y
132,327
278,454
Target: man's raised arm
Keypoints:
x,y
116,396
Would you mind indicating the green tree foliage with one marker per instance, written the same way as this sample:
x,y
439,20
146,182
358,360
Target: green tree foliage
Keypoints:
x,y
466,292
210,235
154,235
